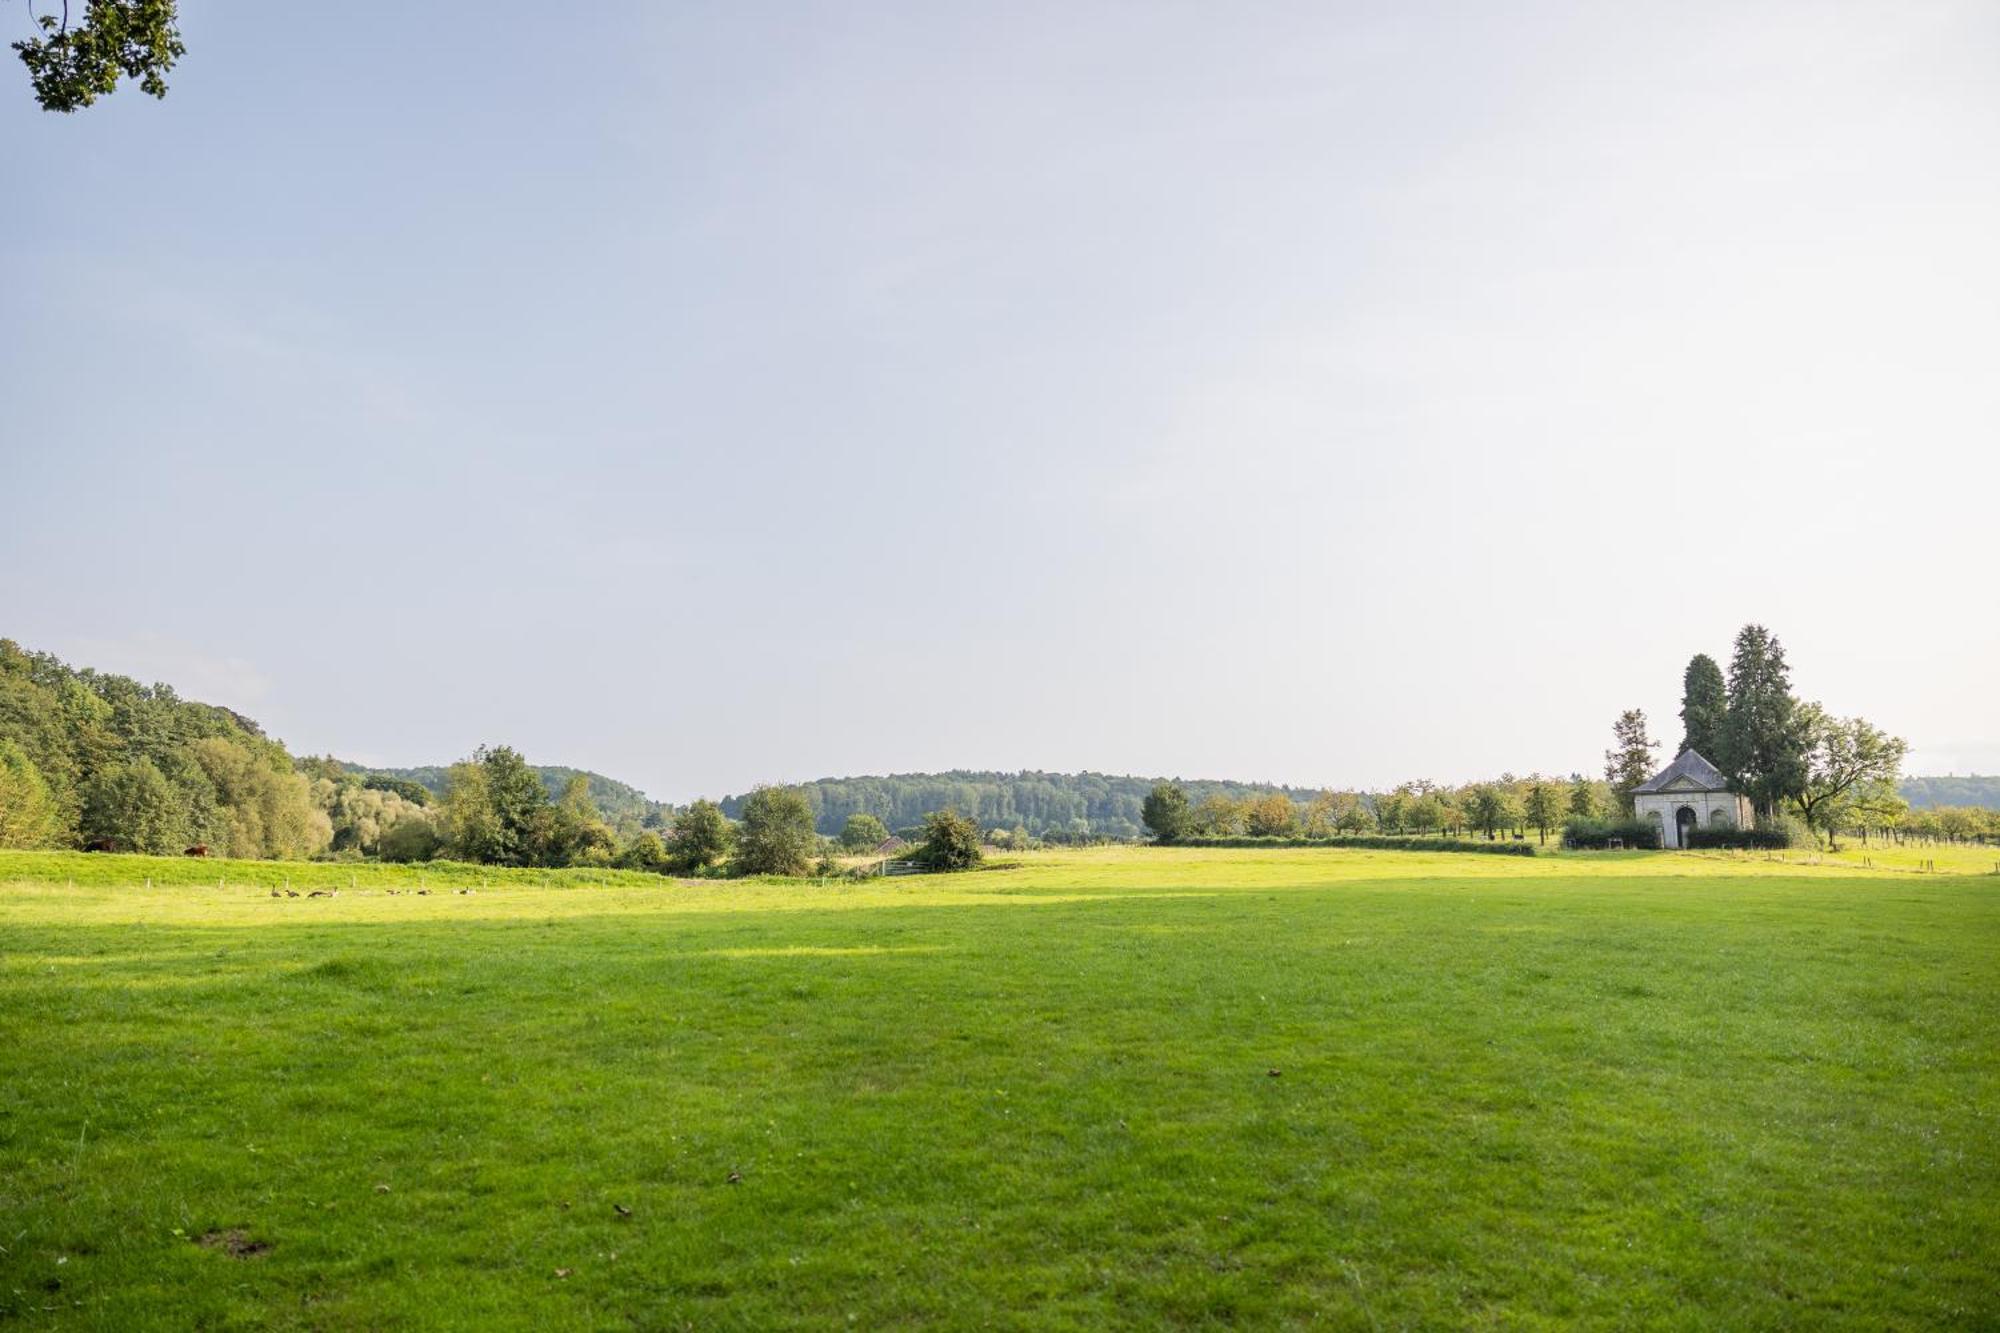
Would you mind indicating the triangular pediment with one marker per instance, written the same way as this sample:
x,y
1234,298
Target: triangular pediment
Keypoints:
x,y
1690,772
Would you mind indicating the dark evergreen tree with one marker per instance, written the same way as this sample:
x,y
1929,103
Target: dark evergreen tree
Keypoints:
x,y
1762,749
1704,706
1629,762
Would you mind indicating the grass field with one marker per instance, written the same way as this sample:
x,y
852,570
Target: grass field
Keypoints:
x,y
1123,1087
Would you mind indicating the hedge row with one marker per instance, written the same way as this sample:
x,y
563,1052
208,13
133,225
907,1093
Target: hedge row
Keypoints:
x,y
1597,834
1382,842
1744,839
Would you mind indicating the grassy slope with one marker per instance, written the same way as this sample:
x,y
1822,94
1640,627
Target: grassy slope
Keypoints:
x,y
1670,1090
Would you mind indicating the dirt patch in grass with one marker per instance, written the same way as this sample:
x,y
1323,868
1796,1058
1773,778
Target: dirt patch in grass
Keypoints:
x,y
236,1243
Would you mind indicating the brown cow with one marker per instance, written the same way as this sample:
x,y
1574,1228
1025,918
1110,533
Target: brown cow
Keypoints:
x,y
199,849
102,845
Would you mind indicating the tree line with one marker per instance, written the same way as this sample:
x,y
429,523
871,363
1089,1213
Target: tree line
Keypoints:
x,y
94,759
1507,806
1046,807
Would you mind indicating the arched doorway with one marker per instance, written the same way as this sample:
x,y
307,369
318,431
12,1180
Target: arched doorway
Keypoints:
x,y
1685,820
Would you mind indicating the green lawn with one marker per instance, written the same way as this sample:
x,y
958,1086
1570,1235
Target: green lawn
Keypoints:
x,y
1127,1087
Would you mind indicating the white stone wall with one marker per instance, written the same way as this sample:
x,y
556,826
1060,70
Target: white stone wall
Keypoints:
x,y
1710,807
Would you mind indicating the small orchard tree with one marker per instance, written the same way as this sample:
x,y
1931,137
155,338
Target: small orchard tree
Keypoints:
x,y
1273,816
1426,814
951,842
1544,807
1486,808
1583,802
1165,812
777,836
701,837
1844,758
1392,810
862,831
1217,817
1354,818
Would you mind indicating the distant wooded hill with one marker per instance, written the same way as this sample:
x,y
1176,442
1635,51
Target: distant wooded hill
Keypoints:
x,y
1930,793
624,807
1044,804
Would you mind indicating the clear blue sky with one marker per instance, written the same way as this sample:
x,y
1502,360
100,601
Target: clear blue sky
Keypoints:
x,y
709,394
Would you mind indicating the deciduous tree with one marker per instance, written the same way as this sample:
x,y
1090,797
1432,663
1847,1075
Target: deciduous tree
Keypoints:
x,y
28,815
701,837
862,831
1217,816
132,806
777,836
1165,813
73,62
1272,816
1544,807
1844,758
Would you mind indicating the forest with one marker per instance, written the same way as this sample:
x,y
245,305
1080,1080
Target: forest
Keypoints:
x,y
1053,807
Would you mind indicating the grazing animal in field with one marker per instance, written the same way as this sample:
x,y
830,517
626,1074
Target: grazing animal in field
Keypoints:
x,y
276,894
423,893
199,849
319,893
101,845
291,893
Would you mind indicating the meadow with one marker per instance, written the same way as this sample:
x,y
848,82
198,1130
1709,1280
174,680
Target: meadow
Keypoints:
x,y
1118,1087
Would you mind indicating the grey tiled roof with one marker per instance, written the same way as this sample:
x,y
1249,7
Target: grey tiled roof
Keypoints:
x,y
1690,765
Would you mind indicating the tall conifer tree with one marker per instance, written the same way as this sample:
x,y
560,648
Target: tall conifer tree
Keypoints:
x,y
1629,762
1762,750
1704,705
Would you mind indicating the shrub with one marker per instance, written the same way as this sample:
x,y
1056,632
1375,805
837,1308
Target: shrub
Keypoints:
x,y
951,842
412,838
861,832
645,852
1597,834
1794,832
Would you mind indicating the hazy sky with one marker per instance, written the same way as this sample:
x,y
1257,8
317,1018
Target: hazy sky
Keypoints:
x,y
708,394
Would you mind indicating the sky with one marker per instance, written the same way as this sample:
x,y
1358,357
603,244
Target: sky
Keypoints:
x,y
713,394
